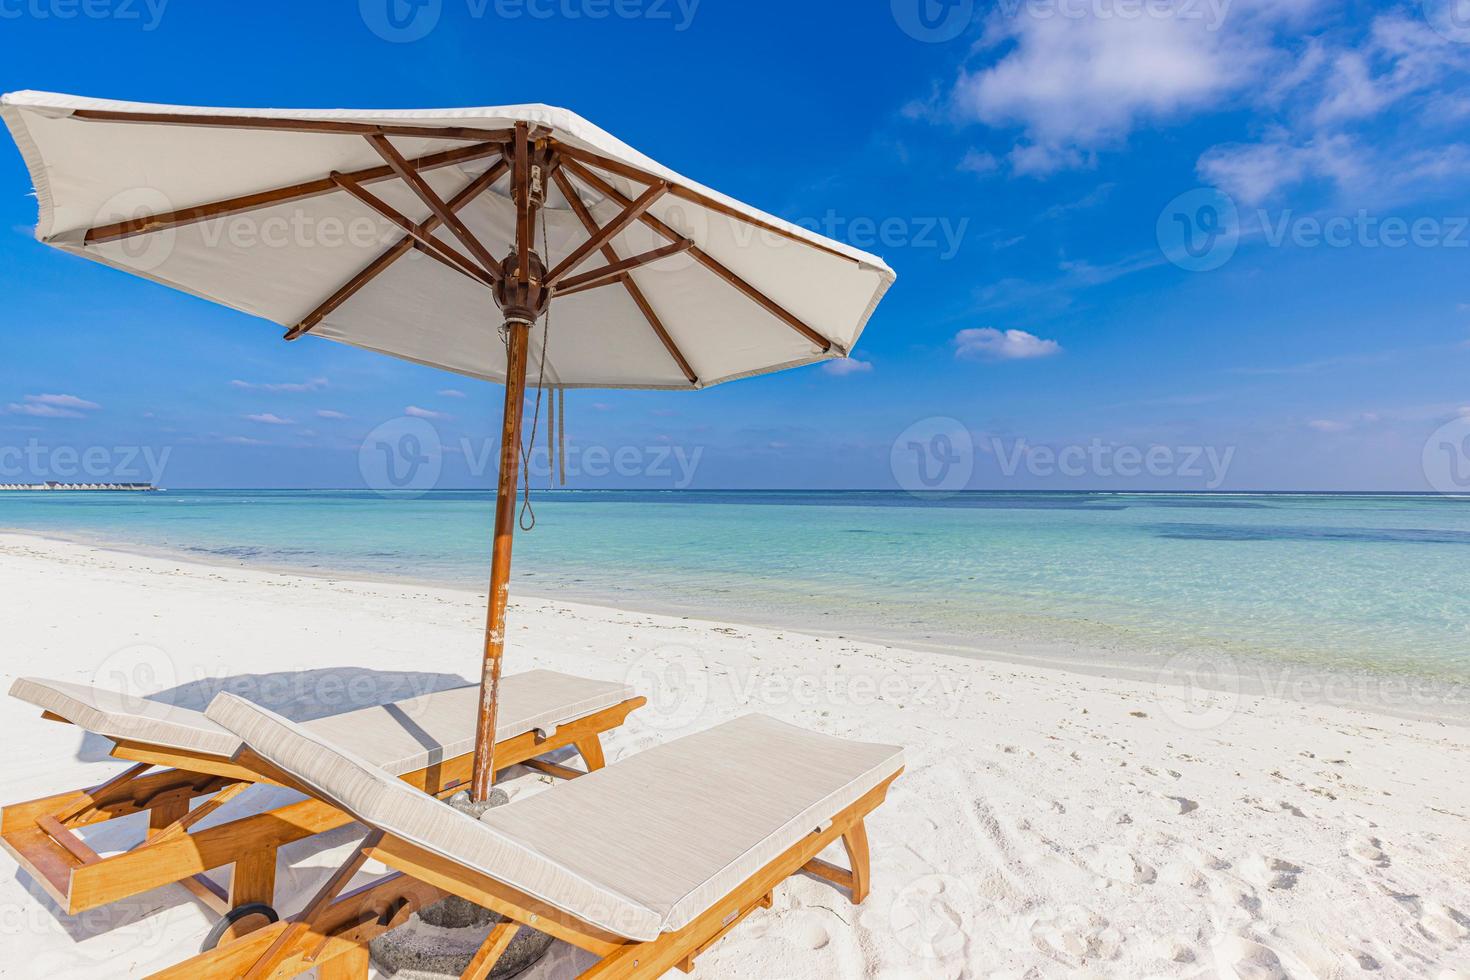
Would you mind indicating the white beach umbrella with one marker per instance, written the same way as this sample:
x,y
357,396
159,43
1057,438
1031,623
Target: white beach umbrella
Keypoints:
x,y
441,237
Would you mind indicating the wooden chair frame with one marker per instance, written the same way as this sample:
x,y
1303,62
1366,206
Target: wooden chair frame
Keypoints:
x,y
333,932
42,834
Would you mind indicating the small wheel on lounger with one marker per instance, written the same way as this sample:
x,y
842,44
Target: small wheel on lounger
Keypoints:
x,y
238,914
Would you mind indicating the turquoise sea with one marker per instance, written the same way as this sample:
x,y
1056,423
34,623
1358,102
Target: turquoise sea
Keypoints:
x,y
1357,583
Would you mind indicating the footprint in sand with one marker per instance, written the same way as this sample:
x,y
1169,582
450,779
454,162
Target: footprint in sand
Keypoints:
x,y
1369,851
1117,864
1269,872
1444,923
1240,959
814,936
1177,804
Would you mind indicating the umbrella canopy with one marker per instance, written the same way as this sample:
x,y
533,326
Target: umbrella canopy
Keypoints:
x,y
293,216
418,233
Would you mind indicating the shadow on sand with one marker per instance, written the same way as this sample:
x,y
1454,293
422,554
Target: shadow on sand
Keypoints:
x,y
299,696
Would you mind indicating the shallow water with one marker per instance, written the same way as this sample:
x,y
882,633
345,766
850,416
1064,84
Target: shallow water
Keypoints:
x,y
1376,583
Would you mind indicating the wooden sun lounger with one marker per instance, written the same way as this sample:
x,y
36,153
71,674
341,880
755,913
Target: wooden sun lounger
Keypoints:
x,y
646,863
181,757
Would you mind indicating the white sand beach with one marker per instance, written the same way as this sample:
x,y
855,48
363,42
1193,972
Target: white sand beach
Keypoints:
x,y
1049,824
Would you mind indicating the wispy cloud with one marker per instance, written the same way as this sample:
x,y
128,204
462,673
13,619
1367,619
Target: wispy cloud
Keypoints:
x,y
1073,85
990,344
268,418
293,387
847,366
451,393
979,162
414,411
52,407
335,416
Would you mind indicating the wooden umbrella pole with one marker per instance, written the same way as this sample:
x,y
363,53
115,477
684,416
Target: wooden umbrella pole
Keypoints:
x,y
505,525
522,294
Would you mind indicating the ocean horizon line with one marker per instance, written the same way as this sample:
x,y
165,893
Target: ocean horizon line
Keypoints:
x,y
919,494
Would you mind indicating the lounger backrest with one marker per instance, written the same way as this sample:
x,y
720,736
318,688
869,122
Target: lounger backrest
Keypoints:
x,y
336,774
127,717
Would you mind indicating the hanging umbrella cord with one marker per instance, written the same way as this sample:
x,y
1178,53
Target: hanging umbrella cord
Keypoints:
x,y
527,518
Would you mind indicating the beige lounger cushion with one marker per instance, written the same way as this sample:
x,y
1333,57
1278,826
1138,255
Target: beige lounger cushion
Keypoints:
x,y
410,735
127,717
639,848
398,738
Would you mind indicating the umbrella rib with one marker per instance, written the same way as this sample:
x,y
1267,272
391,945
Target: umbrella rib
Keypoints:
x,y
448,218
606,274
279,195
611,254
329,126
423,239
520,187
631,213
710,263
379,265
621,169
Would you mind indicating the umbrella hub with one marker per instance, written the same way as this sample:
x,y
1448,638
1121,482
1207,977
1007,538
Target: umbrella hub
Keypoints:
x,y
522,300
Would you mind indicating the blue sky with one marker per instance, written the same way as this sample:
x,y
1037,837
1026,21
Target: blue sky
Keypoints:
x,y
1031,169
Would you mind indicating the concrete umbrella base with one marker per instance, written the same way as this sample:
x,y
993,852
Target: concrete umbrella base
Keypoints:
x,y
439,941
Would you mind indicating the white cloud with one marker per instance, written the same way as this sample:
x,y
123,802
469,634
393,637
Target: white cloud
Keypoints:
x,y
1402,56
315,384
987,343
979,162
245,441
451,393
413,411
40,411
52,407
1253,172
846,366
1402,65
1077,81
1328,425
267,418
328,413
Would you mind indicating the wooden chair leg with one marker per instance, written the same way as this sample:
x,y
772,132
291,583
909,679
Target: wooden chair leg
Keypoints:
x,y
254,879
348,966
591,751
489,954
856,842
166,811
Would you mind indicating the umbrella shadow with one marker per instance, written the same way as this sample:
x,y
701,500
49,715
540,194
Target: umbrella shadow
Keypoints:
x,y
299,696
303,695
